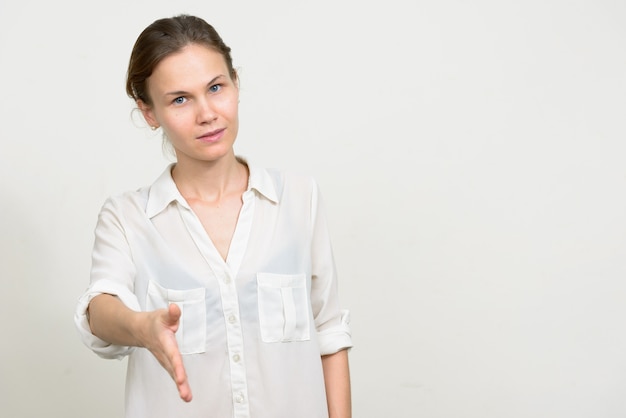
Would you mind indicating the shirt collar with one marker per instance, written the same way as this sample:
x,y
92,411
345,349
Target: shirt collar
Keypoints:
x,y
164,191
261,181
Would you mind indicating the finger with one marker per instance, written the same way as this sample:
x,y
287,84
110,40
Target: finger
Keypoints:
x,y
185,392
180,376
173,313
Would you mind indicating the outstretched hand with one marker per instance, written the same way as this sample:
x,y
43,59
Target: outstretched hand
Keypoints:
x,y
161,342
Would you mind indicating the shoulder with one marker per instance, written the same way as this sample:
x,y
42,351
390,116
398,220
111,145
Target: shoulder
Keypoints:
x,y
278,184
296,190
127,202
161,191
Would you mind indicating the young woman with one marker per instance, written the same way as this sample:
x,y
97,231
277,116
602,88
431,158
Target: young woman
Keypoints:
x,y
220,275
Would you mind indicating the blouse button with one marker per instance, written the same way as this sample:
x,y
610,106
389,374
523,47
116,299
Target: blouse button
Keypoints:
x,y
232,319
236,358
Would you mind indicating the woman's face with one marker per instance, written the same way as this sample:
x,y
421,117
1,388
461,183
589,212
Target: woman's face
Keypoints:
x,y
196,102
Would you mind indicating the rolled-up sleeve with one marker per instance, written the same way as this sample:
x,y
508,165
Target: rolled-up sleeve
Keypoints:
x,y
331,322
112,272
337,337
81,318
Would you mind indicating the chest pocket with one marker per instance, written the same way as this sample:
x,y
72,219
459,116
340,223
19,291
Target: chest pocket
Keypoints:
x,y
283,307
191,334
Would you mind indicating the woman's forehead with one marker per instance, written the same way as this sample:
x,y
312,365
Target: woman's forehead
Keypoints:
x,y
194,64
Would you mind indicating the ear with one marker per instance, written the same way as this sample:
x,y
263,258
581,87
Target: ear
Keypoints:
x,y
148,113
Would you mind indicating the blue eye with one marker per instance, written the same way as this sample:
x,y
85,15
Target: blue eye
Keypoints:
x,y
179,100
215,88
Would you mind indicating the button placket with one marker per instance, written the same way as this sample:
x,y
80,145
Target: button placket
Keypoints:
x,y
234,338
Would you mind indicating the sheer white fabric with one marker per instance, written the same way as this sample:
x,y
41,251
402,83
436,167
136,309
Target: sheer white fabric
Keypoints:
x,y
253,328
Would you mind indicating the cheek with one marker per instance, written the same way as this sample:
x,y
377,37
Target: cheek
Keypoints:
x,y
230,108
177,119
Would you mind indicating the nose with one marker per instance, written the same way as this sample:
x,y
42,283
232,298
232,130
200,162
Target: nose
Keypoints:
x,y
205,112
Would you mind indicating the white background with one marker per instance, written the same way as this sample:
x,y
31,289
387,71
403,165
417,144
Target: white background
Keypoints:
x,y
471,156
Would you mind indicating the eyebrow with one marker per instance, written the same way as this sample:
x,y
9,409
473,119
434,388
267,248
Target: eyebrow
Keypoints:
x,y
182,92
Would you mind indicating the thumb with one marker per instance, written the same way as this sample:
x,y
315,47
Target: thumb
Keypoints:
x,y
173,314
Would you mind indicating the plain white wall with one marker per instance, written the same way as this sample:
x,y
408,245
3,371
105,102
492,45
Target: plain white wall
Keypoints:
x,y
471,156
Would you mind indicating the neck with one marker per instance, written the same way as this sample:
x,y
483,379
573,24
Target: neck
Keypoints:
x,y
210,180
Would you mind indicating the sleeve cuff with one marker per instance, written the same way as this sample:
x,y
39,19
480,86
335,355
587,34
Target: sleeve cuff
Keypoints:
x,y
337,338
97,345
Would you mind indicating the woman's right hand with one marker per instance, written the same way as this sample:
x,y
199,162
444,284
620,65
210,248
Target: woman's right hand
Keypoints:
x,y
159,337
112,321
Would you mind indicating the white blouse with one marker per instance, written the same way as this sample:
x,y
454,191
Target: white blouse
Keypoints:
x,y
253,327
